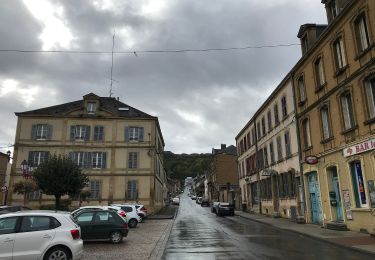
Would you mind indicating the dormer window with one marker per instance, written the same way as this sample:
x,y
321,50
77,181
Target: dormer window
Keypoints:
x,y
91,108
333,8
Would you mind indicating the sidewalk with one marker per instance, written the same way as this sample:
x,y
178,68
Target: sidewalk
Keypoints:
x,y
354,240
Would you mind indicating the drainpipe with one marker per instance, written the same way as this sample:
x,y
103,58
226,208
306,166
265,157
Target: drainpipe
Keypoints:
x,y
299,147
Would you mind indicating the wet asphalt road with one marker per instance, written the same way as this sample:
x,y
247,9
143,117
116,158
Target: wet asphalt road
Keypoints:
x,y
199,234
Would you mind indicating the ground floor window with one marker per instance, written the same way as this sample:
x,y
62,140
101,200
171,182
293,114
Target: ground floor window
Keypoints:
x,y
358,184
95,189
132,190
254,193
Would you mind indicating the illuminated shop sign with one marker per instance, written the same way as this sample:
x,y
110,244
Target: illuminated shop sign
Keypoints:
x,y
359,148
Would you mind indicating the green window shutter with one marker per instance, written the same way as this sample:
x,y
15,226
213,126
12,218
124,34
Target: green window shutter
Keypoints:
x,y
31,158
141,133
126,134
104,163
33,131
72,132
87,160
87,134
49,132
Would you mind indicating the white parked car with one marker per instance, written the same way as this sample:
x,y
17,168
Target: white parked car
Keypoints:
x,y
131,214
176,201
142,211
118,209
39,235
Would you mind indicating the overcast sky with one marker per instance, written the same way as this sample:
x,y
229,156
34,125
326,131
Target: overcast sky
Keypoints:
x,y
202,99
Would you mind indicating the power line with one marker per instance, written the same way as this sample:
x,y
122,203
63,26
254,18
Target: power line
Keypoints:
x,y
153,51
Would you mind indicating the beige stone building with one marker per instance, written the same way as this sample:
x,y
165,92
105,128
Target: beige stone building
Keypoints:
x,y
119,147
269,158
335,92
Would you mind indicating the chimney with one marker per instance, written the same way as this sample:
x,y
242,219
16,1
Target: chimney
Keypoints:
x,y
223,146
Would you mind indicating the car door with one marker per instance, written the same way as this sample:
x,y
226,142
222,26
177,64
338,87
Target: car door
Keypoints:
x,y
34,236
85,221
7,237
103,222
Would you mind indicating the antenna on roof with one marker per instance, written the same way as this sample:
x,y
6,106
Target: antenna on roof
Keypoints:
x,y
113,46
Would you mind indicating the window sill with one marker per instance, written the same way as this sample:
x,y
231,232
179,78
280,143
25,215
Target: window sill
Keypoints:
x,y
285,117
340,71
277,124
41,139
320,87
361,209
327,140
364,52
279,161
369,121
307,148
349,130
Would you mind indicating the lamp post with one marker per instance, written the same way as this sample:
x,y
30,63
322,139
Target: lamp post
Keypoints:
x,y
27,173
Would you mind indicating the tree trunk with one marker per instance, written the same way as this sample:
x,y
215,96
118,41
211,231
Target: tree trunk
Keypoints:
x,y
57,202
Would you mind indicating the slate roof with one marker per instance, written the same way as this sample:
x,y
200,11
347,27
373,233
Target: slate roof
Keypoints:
x,y
109,104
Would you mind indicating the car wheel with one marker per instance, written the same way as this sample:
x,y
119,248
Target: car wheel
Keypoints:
x,y
115,237
57,253
132,223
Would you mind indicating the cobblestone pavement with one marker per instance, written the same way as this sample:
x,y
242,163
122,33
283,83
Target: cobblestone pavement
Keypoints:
x,y
139,244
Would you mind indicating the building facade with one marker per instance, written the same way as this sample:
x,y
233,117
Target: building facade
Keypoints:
x,y
119,147
269,157
223,180
334,85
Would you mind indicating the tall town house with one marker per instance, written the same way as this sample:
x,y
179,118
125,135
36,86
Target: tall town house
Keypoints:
x,y
331,127
119,147
268,159
335,92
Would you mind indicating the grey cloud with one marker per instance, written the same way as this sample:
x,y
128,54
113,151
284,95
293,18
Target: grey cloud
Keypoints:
x,y
162,83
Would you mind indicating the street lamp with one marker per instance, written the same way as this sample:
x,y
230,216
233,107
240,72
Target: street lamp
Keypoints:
x,y
27,170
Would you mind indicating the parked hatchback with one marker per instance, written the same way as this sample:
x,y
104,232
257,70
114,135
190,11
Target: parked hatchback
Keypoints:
x,y
39,235
100,224
224,208
132,216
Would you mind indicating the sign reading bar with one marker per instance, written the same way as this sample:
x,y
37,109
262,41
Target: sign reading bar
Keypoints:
x,y
359,148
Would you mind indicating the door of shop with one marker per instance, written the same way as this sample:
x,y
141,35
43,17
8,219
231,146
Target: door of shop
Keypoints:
x,y
314,191
338,207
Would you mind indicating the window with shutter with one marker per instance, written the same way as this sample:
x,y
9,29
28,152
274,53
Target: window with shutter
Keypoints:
x,y
284,106
287,144
272,153
95,189
98,160
301,89
133,160
279,149
37,157
99,133
276,114
134,134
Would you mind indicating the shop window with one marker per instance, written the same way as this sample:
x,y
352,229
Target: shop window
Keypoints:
x,y
358,184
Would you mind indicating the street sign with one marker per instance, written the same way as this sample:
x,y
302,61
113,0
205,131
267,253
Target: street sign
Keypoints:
x,y
4,188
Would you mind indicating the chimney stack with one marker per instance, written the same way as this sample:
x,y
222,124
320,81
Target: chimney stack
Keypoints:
x,y
223,146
